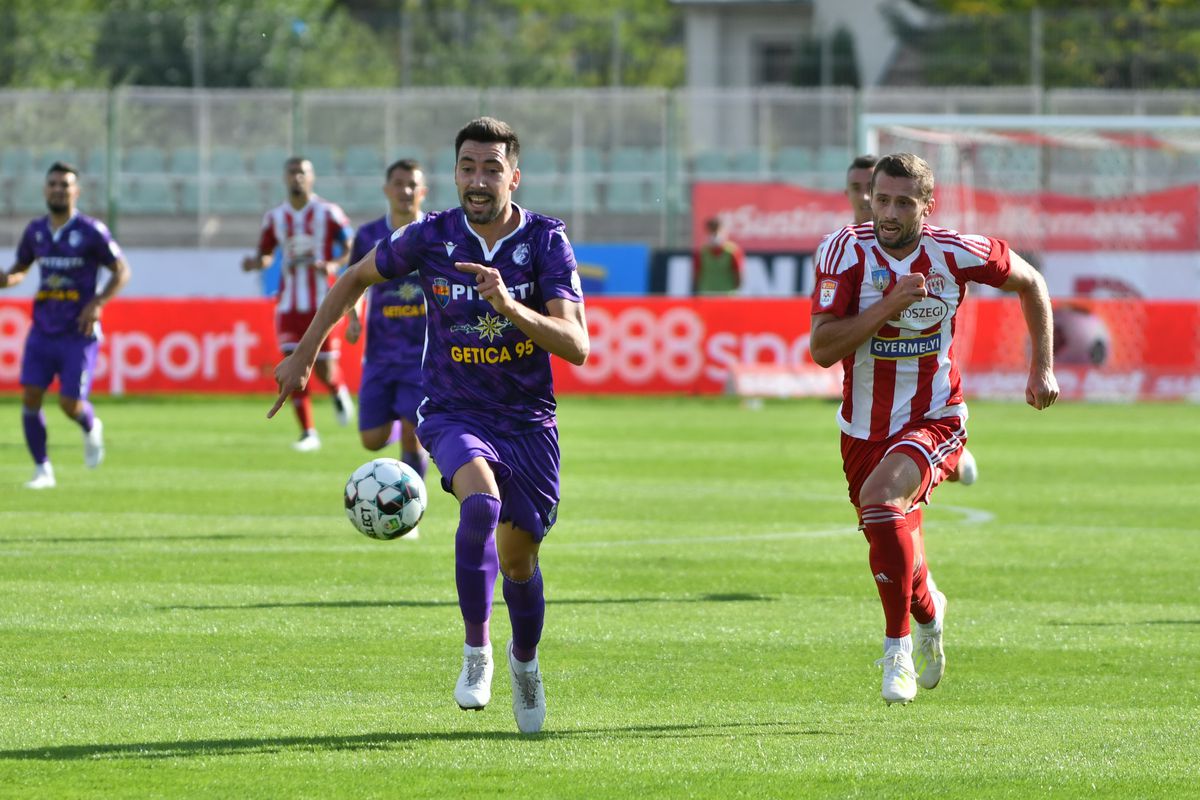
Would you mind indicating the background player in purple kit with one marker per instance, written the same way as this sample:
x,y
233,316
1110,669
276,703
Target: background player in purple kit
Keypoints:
x,y
502,291
390,390
69,249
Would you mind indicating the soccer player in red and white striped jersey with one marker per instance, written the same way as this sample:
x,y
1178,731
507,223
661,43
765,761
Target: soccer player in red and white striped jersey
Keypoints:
x,y
315,236
884,304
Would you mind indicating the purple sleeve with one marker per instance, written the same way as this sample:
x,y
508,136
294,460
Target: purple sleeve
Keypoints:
x,y
107,250
25,253
558,278
360,247
396,255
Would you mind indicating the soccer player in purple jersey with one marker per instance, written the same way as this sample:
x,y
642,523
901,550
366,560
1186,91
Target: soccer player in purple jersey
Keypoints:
x,y
390,390
502,292
69,249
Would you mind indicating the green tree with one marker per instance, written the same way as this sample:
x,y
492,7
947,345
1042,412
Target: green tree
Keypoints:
x,y
1112,44
49,45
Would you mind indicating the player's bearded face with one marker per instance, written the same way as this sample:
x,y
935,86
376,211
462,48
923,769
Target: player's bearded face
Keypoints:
x,y
898,211
60,187
485,179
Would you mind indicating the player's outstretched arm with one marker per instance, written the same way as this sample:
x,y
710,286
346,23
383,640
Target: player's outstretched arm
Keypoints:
x,y
561,331
14,275
832,338
1042,389
293,372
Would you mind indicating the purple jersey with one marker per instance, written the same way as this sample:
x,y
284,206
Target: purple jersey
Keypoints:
x,y
395,311
69,261
477,362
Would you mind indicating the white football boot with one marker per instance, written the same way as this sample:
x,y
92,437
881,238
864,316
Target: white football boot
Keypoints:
x,y
343,406
43,477
529,696
307,443
929,659
93,445
967,470
899,677
474,688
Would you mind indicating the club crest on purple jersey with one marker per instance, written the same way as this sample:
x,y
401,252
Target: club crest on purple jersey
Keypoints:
x,y
441,291
521,254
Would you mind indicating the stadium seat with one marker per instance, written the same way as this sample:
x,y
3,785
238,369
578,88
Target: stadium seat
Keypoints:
x,y
630,160
15,161
546,196
97,160
51,155
224,160
360,197
322,158
588,160
626,196
269,161
144,159
147,194
363,160
185,161
746,163
28,194
237,195
708,163
833,159
442,164
540,162
793,160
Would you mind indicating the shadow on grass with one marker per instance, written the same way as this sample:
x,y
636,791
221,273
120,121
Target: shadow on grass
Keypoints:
x,y
733,597
382,741
150,539
1070,624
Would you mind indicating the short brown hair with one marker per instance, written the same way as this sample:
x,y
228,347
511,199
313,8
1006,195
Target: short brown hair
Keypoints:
x,y
906,165
865,161
64,167
406,164
490,129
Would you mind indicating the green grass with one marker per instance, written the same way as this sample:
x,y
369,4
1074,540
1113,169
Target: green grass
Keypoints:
x,y
197,618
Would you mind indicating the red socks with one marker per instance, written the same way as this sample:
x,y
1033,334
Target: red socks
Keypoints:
x,y
303,406
891,558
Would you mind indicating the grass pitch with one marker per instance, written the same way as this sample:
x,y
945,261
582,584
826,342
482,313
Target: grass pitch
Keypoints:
x,y
197,617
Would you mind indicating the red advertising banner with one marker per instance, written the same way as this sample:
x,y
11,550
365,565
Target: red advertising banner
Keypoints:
x,y
779,216
157,346
1106,349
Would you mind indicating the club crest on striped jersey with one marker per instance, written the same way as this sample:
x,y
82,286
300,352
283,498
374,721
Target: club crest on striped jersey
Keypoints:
x,y
881,278
935,284
826,292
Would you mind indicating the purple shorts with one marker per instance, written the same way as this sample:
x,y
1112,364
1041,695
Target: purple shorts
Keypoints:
x,y
387,394
71,358
525,465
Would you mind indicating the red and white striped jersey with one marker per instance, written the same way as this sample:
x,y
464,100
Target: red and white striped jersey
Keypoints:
x,y
907,370
308,237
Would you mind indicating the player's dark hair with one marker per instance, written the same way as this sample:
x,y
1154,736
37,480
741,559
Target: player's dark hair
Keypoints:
x,y
865,161
296,160
406,164
906,165
490,129
62,166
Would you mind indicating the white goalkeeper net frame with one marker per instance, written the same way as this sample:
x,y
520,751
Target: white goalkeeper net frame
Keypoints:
x,y
1096,157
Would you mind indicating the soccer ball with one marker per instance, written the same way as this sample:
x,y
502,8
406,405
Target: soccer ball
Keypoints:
x,y
385,498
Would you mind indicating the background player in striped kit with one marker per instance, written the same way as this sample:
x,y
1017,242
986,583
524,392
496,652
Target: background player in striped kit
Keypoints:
x,y
883,304
314,235
391,380
69,249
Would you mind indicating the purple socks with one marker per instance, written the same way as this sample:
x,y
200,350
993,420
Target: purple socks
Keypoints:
x,y
526,611
34,423
420,462
476,564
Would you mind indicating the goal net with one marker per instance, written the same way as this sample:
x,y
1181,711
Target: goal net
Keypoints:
x,y
1105,207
